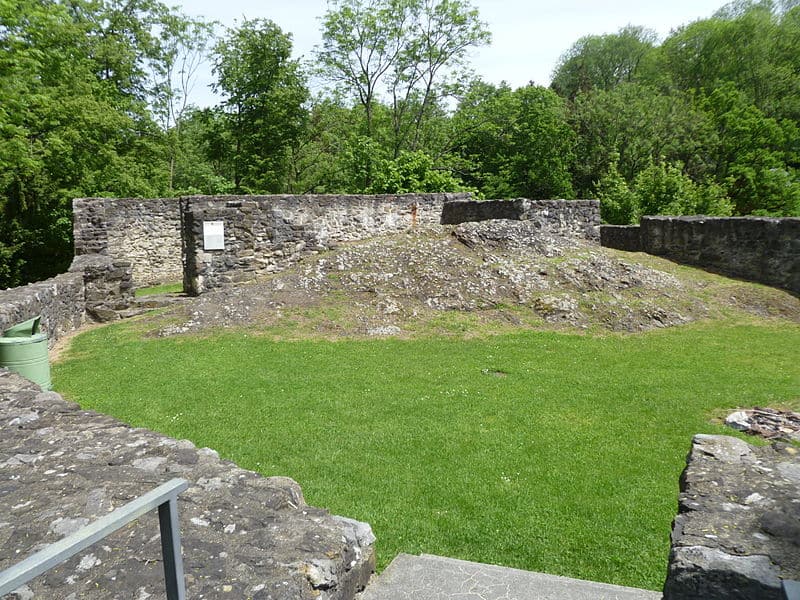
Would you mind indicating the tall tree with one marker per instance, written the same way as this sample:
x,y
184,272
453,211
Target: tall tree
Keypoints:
x,y
263,112
402,52
74,120
515,143
602,61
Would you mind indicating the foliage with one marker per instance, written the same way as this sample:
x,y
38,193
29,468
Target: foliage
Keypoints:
x,y
95,101
465,460
403,52
602,62
515,143
619,204
412,172
663,189
659,189
262,115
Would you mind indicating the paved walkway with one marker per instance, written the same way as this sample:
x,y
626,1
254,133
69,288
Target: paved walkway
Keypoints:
x,y
428,577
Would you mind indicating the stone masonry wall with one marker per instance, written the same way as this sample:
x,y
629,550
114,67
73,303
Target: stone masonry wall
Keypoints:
x,y
243,535
59,301
268,233
579,218
759,249
143,232
737,533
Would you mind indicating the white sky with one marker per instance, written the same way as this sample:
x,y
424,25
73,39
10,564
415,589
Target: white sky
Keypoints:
x,y
528,37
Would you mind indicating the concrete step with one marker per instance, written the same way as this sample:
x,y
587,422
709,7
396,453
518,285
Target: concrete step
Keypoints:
x,y
429,577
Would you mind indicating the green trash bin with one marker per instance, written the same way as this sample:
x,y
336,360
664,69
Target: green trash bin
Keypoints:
x,y
23,349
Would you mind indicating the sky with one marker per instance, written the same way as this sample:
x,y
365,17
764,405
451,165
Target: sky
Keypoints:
x,y
528,36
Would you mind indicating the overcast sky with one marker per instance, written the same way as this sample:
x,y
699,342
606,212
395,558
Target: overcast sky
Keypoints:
x,y
528,36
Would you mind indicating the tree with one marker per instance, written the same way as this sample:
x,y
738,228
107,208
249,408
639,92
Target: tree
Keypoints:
x,y
755,155
602,61
402,52
632,125
74,120
752,45
263,109
515,143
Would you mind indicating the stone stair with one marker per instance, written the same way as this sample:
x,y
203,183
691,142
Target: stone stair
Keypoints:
x,y
429,577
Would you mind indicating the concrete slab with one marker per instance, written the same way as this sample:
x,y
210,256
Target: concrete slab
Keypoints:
x,y
430,577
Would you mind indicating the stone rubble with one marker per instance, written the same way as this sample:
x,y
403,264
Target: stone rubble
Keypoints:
x,y
388,282
769,423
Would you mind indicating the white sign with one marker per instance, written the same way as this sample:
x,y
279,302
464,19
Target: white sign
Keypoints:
x,y
213,235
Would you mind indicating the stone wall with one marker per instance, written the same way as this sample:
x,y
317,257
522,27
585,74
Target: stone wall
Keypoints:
x,y
737,533
59,301
108,285
96,286
759,249
579,218
143,232
268,233
621,237
243,535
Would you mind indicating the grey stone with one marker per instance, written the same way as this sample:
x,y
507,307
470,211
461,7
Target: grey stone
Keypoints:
x,y
737,532
429,577
759,249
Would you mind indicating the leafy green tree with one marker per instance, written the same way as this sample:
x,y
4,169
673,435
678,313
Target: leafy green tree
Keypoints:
x,y
619,205
602,61
413,172
659,189
663,189
637,123
400,52
263,112
754,155
74,120
515,143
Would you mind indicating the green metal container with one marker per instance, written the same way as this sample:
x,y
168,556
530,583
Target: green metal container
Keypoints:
x,y
23,349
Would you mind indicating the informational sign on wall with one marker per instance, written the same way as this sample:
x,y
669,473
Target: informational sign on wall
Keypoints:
x,y
213,235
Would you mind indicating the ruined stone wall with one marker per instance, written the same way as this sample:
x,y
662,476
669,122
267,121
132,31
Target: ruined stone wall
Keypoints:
x,y
268,233
143,232
759,249
738,526
243,535
59,301
580,218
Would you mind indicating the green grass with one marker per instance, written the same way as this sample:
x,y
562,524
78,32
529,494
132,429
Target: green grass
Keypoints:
x,y
541,451
164,288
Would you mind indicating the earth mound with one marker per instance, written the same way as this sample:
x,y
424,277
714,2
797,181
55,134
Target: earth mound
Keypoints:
x,y
474,278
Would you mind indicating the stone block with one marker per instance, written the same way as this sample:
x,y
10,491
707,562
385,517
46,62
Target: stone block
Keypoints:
x,y
737,532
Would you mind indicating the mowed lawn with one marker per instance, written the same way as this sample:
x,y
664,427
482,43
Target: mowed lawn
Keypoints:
x,y
542,451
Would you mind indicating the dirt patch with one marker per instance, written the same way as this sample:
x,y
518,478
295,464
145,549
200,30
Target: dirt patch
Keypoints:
x,y
474,278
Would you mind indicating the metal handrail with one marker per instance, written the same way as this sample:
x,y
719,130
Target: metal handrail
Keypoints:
x,y
790,589
164,497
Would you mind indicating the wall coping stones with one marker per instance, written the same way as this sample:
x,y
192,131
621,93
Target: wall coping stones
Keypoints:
x,y
244,535
737,532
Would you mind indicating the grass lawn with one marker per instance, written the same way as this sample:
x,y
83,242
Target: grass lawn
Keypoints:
x,y
542,451
164,288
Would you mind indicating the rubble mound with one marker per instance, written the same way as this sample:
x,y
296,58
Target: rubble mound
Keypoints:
x,y
475,277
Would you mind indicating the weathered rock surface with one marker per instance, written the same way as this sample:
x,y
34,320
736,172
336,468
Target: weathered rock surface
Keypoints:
x,y
737,533
244,535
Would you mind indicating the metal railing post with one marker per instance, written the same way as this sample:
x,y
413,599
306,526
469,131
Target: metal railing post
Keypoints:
x,y
164,497
171,549
790,589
